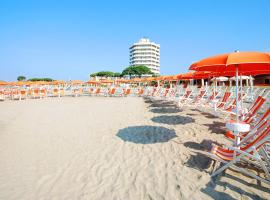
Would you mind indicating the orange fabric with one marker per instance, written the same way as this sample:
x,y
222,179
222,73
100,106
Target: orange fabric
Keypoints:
x,y
246,62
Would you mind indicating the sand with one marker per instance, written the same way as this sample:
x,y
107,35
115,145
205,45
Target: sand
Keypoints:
x,y
112,148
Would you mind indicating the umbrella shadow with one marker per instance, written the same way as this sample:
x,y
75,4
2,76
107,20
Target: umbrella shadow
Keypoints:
x,y
162,104
216,127
173,120
205,145
199,161
165,110
146,134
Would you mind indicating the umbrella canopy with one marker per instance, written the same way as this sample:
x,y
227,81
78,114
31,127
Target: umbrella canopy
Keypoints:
x,y
92,82
149,79
220,79
194,75
3,83
171,78
106,81
244,61
57,82
241,77
121,81
185,76
136,80
76,82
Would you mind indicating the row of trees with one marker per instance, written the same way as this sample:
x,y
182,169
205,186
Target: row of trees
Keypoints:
x,y
106,74
23,78
132,70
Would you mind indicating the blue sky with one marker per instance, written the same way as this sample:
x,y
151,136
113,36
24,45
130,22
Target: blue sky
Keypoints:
x,y
71,39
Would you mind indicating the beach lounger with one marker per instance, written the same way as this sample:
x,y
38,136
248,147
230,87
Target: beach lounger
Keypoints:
x,y
248,115
43,93
264,118
98,91
198,98
56,92
224,100
2,96
253,153
23,94
35,94
127,92
184,99
140,92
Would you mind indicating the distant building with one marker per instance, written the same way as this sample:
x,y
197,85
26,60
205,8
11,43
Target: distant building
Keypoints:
x,y
145,53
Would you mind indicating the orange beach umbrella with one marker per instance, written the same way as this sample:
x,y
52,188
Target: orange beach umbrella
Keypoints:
x,y
3,83
236,61
242,62
76,82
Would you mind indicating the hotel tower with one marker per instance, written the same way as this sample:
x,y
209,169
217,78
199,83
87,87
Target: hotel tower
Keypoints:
x,y
147,53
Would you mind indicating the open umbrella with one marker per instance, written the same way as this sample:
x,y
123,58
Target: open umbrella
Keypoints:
x,y
237,62
3,83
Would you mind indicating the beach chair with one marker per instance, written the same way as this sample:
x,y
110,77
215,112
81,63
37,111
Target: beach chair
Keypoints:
x,y
91,91
15,94
62,92
224,100
248,115
43,93
111,92
56,92
35,93
140,92
256,125
253,153
23,94
232,105
198,98
98,91
184,99
2,96
127,92
205,102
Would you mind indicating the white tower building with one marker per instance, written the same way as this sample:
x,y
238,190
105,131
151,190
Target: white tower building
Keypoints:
x,y
145,53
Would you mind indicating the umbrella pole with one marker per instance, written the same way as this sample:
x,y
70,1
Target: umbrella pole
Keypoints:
x,y
241,94
237,102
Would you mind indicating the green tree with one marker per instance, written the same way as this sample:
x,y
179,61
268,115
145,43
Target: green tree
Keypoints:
x,y
21,78
40,79
106,74
136,70
117,74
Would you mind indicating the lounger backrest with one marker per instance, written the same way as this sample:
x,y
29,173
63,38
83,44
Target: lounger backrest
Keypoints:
x,y
23,92
154,90
226,96
259,137
98,91
256,106
112,91
188,93
128,91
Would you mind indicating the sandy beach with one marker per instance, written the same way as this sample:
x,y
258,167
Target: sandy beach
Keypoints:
x,y
112,148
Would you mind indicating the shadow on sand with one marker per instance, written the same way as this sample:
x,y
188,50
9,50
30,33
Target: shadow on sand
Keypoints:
x,y
172,120
217,127
165,110
146,134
